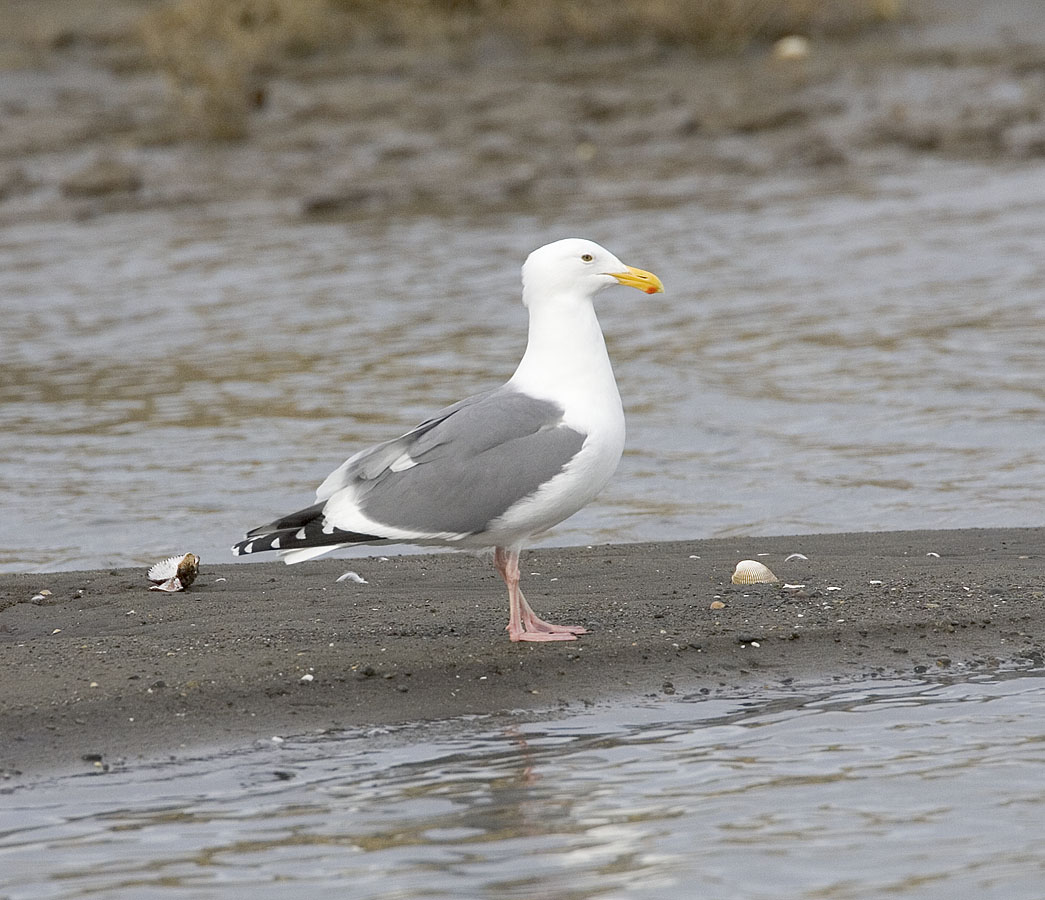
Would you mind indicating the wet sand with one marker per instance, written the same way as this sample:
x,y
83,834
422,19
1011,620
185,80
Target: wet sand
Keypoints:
x,y
102,672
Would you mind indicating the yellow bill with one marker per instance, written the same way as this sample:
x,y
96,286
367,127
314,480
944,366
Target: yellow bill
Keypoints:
x,y
638,278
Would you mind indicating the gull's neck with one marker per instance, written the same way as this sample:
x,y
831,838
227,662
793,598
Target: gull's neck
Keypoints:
x,y
566,359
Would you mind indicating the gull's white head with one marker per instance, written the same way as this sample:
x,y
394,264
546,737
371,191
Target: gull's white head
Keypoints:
x,y
581,269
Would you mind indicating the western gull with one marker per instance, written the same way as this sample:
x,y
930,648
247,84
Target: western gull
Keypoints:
x,y
495,469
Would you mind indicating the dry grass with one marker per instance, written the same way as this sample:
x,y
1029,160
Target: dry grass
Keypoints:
x,y
217,52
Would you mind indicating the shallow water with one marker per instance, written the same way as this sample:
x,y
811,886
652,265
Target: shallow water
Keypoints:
x,y
833,353
916,789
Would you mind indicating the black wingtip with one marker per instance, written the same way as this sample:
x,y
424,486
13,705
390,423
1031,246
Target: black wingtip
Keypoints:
x,y
300,536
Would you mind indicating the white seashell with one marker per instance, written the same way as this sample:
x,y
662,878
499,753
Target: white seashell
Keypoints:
x,y
795,556
353,576
749,571
175,573
792,48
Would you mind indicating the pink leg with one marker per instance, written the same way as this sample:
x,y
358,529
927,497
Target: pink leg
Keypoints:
x,y
523,623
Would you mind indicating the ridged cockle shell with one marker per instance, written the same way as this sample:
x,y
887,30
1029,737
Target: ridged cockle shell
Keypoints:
x,y
749,571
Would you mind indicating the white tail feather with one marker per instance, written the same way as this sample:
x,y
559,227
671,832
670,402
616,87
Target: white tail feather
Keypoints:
x,y
290,557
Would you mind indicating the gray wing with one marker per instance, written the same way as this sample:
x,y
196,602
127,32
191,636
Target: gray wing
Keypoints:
x,y
462,468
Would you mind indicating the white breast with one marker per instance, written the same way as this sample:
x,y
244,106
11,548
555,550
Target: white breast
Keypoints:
x,y
566,362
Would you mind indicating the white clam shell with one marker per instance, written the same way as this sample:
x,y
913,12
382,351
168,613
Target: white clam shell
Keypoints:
x,y
792,48
749,571
175,573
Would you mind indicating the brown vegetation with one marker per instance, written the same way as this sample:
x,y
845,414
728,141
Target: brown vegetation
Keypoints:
x,y
215,53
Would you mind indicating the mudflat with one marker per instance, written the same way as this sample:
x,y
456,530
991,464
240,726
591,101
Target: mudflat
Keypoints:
x,y
101,671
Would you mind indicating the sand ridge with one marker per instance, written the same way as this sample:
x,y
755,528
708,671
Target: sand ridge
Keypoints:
x,y
102,671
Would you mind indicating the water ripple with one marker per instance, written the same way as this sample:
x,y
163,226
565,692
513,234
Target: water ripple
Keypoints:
x,y
827,358
852,791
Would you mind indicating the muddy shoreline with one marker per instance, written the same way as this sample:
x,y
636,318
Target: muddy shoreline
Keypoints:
x,y
92,127
102,672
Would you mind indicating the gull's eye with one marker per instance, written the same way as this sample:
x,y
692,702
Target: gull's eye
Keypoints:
x,y
586,257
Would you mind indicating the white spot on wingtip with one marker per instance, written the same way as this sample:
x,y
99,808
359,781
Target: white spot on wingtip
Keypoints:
x,y
406,461
275,544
